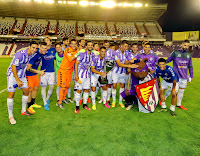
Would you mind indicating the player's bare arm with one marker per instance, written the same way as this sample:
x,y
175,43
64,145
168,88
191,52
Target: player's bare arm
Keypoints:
x,y
124,65
30,69
103,74
14,70
76,71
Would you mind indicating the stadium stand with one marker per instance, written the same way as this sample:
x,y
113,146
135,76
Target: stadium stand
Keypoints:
x,y
66,29
81,27
140,26
19,24
6,25
152,29
111,28
52,25
97,29
126,30
35,28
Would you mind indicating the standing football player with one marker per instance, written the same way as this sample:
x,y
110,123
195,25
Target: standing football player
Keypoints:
x,y
32,76
16,78
49,77
97,69
170,80
65,71
119,71
182,62
82,75
152,58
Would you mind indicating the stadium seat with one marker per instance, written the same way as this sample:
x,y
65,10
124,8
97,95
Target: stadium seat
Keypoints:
x,y
67,29
6,25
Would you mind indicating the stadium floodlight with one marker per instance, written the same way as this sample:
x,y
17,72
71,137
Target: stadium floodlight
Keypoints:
x,y
137,4
60,2
127,4
108,4
84,3
64,2
146,5
49,1
27,0
38,1
72,2
120,4
93,3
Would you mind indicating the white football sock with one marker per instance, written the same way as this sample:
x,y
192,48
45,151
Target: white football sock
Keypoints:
x,y
114,94
24,102
85,97
172,108
93,96
78,97
109,90
74,95
69,93
167,93
163,105
120,91
97,90
57,92
180,96
50,91
10,107
104,94
43,92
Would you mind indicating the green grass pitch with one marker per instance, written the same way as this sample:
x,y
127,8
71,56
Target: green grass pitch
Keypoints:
x,y
105,131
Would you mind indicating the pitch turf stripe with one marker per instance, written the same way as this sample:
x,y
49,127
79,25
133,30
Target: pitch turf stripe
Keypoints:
x,y
3,90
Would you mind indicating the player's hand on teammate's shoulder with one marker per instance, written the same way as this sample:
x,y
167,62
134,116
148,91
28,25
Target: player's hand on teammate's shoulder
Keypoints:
x,y
19,83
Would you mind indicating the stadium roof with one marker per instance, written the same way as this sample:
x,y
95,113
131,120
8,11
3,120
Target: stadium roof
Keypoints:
x,y
63,10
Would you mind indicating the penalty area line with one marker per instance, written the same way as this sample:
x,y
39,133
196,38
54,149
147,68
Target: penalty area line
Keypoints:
x,y
3,90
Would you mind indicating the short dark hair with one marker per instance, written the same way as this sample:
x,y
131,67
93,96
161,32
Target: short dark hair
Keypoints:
x,y
65,38
106,41
80,40
186,41
48,38
89,42
103,48
43,43
112,44
124,42
58,43
72,40
134,44
161,60
96,43
147,44
33,42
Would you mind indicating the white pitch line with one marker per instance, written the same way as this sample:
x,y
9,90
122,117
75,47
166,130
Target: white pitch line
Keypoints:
x,y
3,90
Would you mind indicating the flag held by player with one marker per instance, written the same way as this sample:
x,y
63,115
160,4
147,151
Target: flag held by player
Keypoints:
x,y
148,94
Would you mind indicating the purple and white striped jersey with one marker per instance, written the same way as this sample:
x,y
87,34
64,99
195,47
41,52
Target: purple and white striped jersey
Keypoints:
x,y
122,57
132,55
20,60
98,63
84,70
110,55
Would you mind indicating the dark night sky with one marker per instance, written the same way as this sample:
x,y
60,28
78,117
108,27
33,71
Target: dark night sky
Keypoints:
x,y
181,15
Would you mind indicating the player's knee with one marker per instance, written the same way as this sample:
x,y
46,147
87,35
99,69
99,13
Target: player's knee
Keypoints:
x,y
121,85
114,86
11,95
87,90
161,91
78,91
36,87
51,87
93,89
26,92
173,95
109,85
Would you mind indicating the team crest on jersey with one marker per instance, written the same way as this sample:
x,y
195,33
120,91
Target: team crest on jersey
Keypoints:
x,y
151,59
10,87
188,56
16,61
179,55
148,93
52,52
165,74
